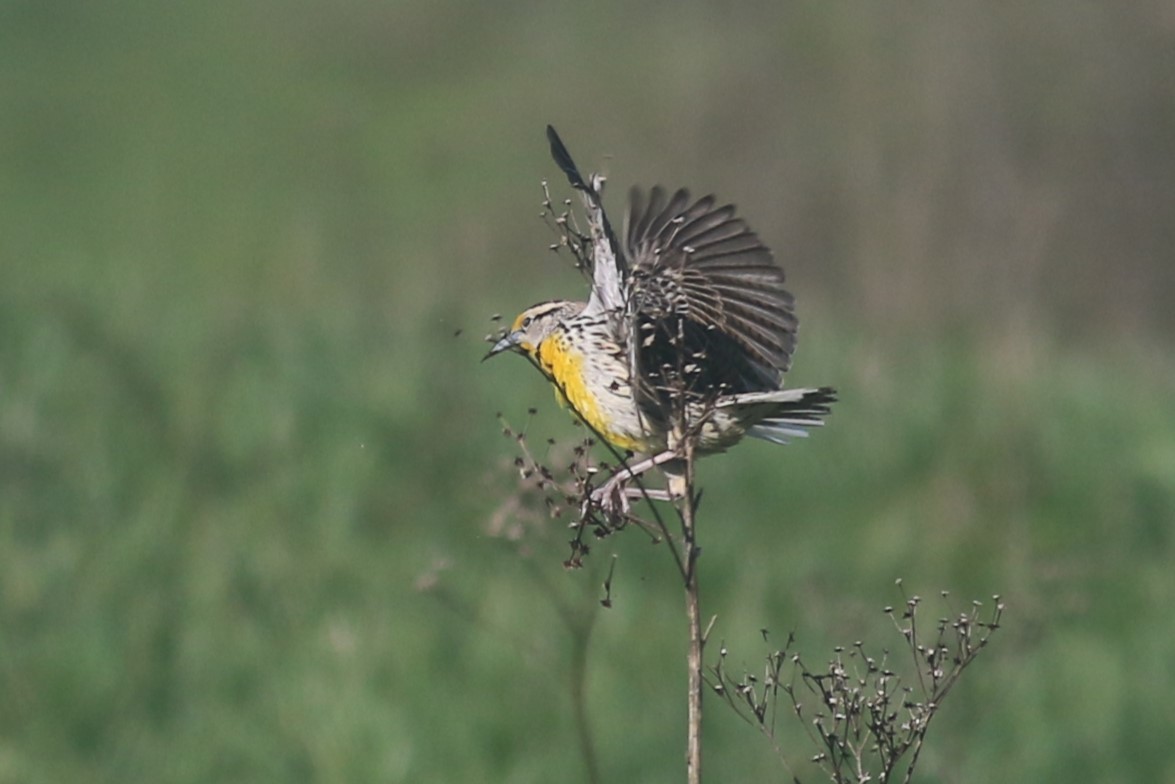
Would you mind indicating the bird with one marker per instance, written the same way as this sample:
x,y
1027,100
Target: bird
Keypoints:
x,y
686,334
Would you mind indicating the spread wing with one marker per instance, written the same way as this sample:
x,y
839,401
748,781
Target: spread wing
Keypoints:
x,y
692,292
704,294
608,265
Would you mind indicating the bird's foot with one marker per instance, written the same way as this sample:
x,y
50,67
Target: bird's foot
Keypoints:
x,y
611,499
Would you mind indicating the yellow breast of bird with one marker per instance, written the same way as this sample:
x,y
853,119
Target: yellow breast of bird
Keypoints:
x,y
596,386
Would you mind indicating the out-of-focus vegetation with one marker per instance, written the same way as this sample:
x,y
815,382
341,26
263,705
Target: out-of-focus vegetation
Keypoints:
x,y
247,461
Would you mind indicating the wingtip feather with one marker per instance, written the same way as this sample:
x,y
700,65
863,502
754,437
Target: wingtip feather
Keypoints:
x,y
563,159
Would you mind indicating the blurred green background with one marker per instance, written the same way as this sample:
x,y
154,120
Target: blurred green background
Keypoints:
x,y
249,460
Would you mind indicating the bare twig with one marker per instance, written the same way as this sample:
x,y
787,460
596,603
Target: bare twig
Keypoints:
x,y
867,725
693,613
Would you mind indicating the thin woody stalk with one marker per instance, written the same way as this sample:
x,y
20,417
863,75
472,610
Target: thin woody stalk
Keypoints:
x,y
693,615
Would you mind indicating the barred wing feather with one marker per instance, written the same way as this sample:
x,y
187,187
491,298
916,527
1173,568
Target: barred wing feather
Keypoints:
x,y
697,261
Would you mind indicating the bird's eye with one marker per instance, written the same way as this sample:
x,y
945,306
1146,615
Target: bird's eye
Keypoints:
x,y
526,322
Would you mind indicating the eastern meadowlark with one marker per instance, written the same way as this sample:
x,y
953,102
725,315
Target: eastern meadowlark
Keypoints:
x,y
687,333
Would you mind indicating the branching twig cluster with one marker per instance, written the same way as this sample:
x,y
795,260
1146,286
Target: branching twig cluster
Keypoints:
x,y
563,224
559,485
867,722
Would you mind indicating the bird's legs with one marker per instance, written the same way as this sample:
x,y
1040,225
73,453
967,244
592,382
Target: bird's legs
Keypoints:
x,y
613,496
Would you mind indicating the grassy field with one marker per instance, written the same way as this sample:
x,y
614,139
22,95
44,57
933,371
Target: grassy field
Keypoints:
x,y
250,464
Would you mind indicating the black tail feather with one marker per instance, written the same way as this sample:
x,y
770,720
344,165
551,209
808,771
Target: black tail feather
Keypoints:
x,y
564,161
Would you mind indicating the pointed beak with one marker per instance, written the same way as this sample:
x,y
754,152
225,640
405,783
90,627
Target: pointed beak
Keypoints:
x,y
508,342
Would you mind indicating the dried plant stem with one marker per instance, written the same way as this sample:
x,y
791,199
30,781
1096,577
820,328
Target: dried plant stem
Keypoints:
x,y
693,613
694,662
